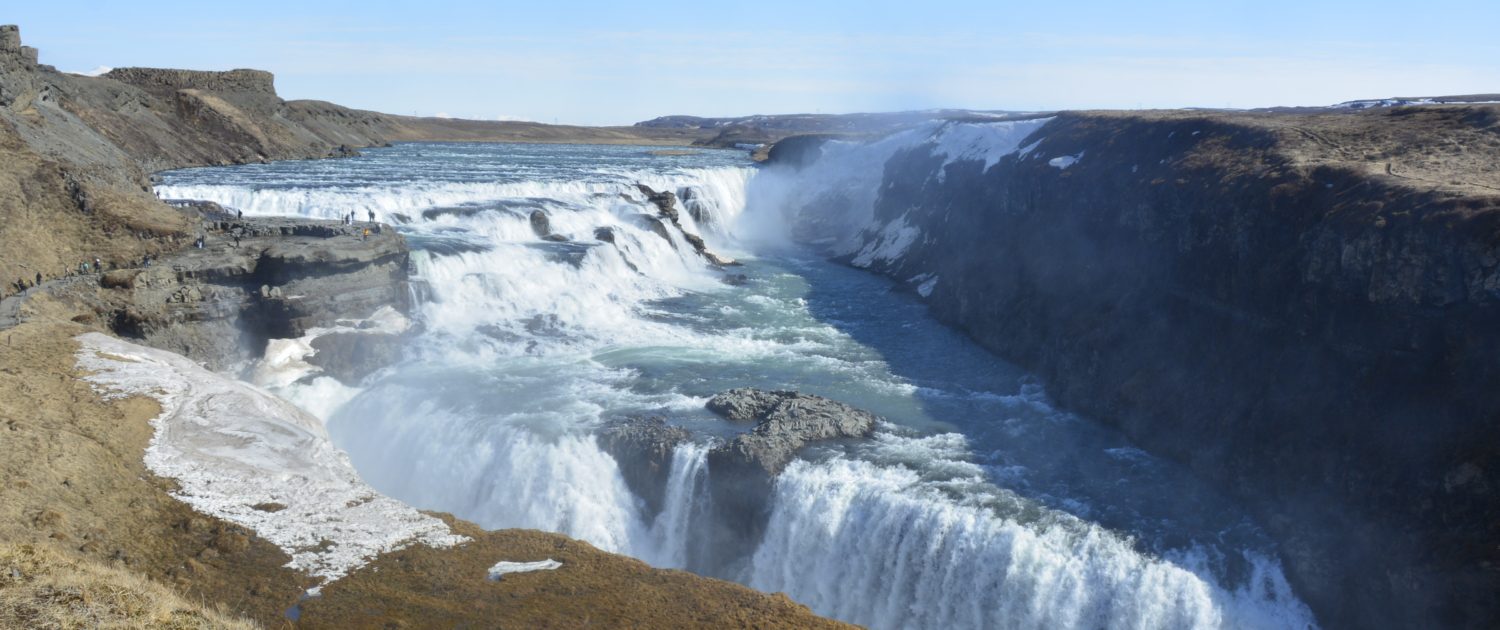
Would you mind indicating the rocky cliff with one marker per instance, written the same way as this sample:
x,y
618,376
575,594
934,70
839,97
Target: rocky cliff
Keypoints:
x,y
1302,307
255,280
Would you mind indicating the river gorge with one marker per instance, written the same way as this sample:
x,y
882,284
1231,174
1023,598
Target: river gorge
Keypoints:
x,y
976,503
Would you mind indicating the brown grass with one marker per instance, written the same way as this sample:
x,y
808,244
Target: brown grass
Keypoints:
x,y
72,478
41,587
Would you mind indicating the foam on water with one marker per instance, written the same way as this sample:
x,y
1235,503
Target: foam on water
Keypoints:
x,y
875,545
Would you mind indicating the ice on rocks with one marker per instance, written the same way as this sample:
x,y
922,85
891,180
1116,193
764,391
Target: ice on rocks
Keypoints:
x,y
504,568
232,446
1064,161
988,141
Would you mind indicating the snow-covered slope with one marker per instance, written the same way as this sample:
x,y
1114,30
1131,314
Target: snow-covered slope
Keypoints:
x,y
241,454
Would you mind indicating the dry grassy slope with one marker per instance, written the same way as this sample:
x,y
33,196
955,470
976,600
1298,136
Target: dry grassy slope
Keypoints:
x,y
54,215
42,587
424,587
334,121
74,481
1448,148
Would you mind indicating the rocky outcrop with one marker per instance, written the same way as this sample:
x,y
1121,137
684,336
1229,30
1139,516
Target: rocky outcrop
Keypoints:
x,y
282,277
797,151
1301,307
742,469
643,448
169,81
542,226
666,204
785,421
694,202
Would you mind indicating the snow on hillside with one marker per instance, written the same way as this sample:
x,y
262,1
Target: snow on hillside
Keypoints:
x,y
243,455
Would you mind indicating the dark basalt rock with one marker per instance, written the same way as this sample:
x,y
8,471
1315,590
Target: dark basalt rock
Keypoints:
x,y
351,356
643,448
741,471
222,303
456,211
665,203
656,226
540,224
796,151
785,422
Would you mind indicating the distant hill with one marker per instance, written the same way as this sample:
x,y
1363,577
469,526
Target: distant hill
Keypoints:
x,y
765,129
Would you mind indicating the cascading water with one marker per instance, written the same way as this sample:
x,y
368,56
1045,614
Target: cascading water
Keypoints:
x,y
978,505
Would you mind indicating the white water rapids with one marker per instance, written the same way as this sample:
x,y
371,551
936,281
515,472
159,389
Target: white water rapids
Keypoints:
x,y
977,506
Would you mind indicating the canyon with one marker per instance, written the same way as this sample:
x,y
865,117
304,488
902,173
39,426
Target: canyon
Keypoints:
x,y
1297,306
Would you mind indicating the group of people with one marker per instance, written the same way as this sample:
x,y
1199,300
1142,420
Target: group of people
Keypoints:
x,y
84,267
349,220
23,285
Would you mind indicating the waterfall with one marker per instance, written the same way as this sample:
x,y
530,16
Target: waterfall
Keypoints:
x,y
875,546
524,347
685,507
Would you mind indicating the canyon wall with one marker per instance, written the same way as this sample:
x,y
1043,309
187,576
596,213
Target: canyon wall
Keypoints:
x,y
1303,308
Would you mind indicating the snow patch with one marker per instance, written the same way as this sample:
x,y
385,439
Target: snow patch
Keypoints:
x,y
925,289
983,141
891,243
1064,161
503,568
232,446
1026,150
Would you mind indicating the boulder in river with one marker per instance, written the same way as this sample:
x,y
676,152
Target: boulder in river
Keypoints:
x,y
740,470
785,422
540,223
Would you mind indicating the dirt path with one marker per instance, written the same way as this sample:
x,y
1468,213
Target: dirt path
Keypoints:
x,y
10,307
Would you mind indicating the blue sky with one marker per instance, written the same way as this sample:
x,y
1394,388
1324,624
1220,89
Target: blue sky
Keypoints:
x,y
621,62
